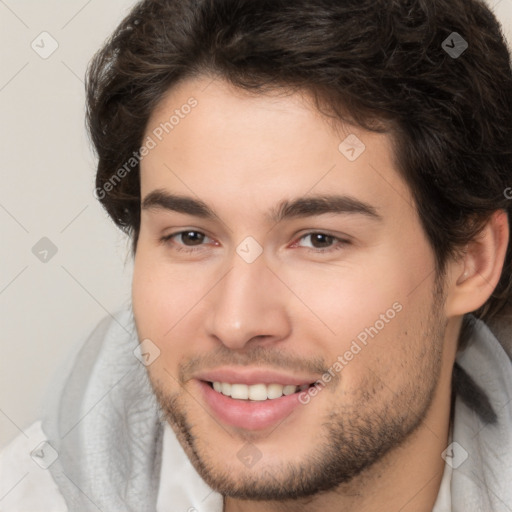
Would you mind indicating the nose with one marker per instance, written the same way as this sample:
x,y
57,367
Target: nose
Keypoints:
x,y
248,305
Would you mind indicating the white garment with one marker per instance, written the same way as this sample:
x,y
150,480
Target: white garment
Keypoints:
x,y
181,488
444,496
27,487
24,485
481,483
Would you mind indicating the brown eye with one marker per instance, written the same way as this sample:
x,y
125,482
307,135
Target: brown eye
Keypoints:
x,y
194,237
322,242
185,241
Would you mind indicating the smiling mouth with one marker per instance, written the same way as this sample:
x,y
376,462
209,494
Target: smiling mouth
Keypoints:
x,y
256,392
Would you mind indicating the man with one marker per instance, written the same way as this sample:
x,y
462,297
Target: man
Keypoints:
x,y
317,196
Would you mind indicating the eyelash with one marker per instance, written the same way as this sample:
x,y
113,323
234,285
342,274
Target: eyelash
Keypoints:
x,y
167,240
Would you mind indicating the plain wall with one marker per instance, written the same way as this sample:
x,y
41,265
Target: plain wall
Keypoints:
x,y
47,176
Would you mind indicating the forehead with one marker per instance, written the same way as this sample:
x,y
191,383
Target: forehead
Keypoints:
x,y
219,142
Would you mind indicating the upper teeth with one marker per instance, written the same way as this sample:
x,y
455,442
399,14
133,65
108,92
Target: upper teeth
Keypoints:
x,y
254,392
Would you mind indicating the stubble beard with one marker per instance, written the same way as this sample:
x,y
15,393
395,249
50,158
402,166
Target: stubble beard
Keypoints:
x,y
353,436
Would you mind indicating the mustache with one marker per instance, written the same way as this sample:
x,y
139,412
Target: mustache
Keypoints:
x,y
256,357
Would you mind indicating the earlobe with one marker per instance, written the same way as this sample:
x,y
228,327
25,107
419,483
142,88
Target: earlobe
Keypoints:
x,y
478,272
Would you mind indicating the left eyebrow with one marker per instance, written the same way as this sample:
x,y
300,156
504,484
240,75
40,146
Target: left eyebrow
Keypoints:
x,y
319,205
288,209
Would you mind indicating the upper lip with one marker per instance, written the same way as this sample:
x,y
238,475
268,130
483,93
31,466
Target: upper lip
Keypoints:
x,y
250,376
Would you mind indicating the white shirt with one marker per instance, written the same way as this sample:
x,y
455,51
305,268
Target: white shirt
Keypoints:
x,y
29,488
181,488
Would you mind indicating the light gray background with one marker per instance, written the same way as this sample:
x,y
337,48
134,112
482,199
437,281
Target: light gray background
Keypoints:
x,y
47,179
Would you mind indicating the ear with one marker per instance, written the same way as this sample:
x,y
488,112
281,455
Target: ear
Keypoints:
x,y
472,278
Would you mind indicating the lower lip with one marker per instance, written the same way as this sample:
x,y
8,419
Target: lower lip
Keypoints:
x,y
248,414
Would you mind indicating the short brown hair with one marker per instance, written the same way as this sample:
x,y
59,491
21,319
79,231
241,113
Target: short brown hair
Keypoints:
x,y
381,64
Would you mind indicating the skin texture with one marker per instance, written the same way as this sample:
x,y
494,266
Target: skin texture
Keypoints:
x,y
375,432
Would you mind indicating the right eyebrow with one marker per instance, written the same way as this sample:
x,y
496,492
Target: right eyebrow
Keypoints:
x,y
161,200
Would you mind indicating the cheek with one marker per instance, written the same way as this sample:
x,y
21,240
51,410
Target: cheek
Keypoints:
x,y
146,291
374,318
157,308
162,293
344,299
388,358
166,299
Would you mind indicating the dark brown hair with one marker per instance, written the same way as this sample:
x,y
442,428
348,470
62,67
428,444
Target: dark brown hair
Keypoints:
x,y
381,64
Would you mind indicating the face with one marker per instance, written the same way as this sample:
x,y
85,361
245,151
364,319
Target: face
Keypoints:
x,y
285,278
